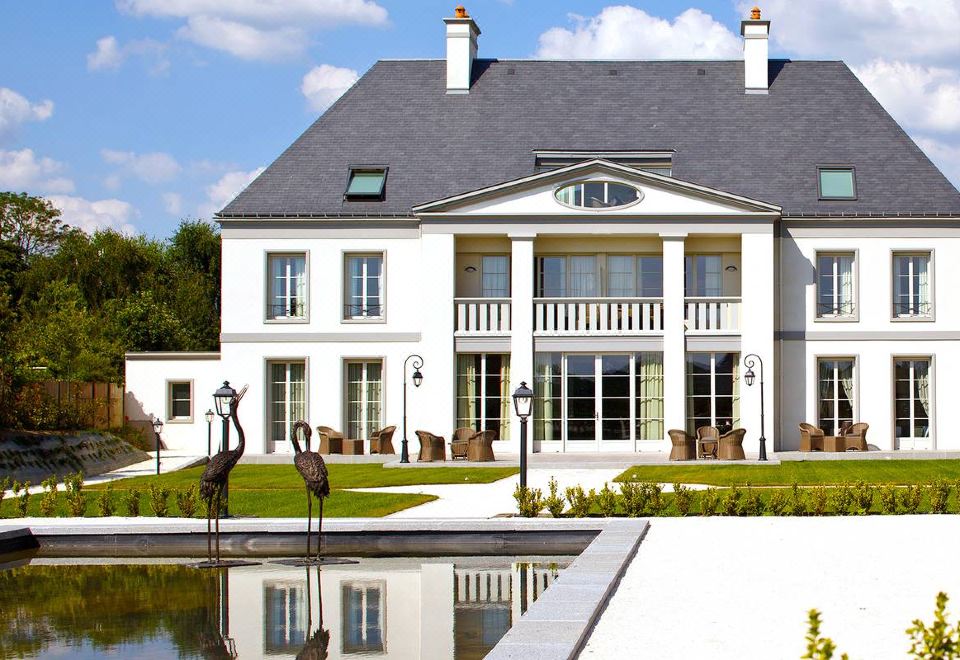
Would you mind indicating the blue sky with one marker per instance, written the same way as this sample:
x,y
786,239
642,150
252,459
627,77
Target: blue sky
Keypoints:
x,y
135,113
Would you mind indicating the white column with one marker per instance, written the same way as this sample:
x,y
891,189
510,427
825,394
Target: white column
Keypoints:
x,y
431,406
521,334
436,611
756,336
674,339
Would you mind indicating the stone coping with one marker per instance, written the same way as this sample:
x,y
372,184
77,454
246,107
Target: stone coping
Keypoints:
x,y
872,455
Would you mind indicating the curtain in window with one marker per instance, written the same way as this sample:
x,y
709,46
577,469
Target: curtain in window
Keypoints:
x,y
735,422
374,397
846,383
583,276
845,285
505,398
495,276
621,276
921,373
298,304
923,277
544,413
467,386
278,267
650,396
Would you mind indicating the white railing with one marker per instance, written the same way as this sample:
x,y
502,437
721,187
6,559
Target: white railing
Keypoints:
x,y
482,316
712,315
597,316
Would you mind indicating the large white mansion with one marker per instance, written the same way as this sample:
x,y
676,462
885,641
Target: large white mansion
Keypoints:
x,y
619,235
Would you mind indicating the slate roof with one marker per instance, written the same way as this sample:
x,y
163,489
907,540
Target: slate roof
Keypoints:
x,y
765,147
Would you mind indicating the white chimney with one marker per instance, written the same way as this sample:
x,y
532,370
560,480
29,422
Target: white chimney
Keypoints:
x,y
755,53
462,35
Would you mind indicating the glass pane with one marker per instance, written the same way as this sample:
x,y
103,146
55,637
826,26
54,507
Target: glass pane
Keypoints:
x,y
620,195
583,276
496,276
651,277
366,183
621,278
836,183
552,277
594,196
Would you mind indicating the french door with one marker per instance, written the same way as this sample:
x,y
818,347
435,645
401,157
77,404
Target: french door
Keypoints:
x,y
912,398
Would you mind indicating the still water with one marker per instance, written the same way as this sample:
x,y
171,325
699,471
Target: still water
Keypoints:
x,y
386,608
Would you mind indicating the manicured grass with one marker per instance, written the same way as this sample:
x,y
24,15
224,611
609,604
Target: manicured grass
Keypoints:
x,y
805,473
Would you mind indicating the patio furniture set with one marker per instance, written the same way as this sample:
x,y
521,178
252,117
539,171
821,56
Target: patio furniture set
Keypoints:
x,y
708,443
467,444
853,437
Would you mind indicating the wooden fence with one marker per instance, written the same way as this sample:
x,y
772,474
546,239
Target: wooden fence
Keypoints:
x,y
105,400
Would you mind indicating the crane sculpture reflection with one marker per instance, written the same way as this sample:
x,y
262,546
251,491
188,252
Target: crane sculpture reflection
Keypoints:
x,y
214,477
316,646
311,467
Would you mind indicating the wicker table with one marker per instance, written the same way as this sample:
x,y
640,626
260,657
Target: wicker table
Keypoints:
x,y
352,447
834,443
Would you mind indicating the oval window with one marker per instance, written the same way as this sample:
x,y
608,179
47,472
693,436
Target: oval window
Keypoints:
x,y
597,195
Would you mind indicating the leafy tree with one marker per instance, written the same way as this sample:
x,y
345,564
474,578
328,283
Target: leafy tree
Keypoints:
x,y
31,223
142,323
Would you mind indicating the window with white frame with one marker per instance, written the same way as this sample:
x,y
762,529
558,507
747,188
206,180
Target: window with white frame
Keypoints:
x,y
179,400
911,285
286,399
572,276
836,287
364,398
364,617
713,397
836,394
364,286
912,396
287,295
704,275
495,276
284,618
483,392
630,276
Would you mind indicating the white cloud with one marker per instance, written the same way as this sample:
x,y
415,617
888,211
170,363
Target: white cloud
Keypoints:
x,y
16,110
856,30
945,156
22,171
93,215
225,189
107,55
623,32
257,29
919,97
172,202
156,167
324,84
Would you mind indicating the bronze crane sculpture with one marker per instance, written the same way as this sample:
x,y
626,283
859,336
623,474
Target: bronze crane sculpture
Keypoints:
x,y
214,477
311,467
316,646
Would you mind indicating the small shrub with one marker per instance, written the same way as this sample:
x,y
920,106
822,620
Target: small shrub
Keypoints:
x,y
633,498
4,487
187,501
889,499
21,492
778,502
843,499
939,495
655,502
553,501
731,503
912,497
131,501
682,498
798,500
709,501
818,500
818,648
579,501
159,500
105,506
607,501
751,504
862,498
76,498
48,502
940,639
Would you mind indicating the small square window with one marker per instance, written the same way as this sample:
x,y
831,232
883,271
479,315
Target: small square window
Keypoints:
x,y
837,183
366,183
180,405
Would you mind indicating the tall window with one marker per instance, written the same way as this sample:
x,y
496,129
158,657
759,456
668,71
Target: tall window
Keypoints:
x,y
364,286
572,276
288,286
911,285
548,396
629,276
483,392
704,275
835,285
287,399
364,398
836,394
285,620
495,270
713,397
179,406
912,402
363,617
648,370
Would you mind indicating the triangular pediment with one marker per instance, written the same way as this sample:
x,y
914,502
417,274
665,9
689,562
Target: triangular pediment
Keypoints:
x,y
536,195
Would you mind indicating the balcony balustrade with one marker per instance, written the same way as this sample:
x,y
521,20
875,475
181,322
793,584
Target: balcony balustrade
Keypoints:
x,y
482,316
712,315
597,316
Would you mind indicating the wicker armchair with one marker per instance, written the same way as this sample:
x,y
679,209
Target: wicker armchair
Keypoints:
x,y
480,447
684,445
708,440
731,445
331,442
855,437
461,442
811,438
431,447
381,442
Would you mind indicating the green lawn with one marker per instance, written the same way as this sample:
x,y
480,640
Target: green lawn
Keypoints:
x,y
805,473
277,491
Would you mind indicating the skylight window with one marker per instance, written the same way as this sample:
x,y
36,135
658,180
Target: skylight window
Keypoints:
x,y
366,183
837,183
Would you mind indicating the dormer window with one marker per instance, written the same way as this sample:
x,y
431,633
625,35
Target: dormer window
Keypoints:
x,y
597,195
366,183
837,183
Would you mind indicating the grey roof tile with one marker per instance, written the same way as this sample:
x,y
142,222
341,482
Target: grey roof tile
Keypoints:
x,y
766,147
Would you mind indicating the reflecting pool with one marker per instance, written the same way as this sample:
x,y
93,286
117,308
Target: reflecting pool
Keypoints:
x,y
386,608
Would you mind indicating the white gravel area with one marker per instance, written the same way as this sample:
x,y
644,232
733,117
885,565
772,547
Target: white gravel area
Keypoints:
x,y
741,587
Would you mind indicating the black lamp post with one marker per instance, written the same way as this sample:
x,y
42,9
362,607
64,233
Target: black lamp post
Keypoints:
x,y
157,427
223,402
522,403
417,379
209,417
750,377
